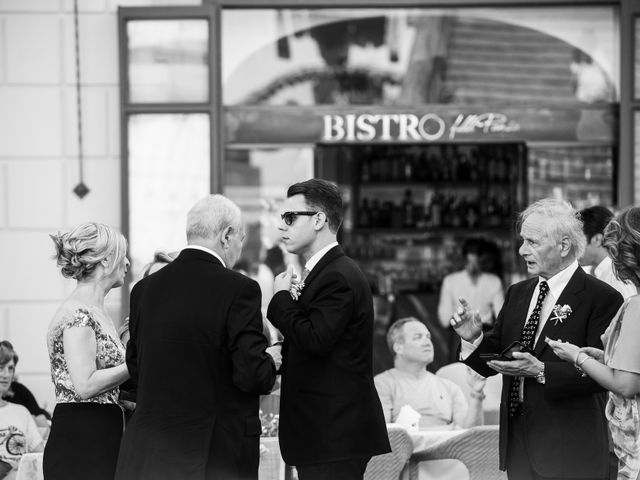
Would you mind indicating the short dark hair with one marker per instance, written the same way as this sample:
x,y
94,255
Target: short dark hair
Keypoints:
x,y
323,196
622,241
395,332
594,220
473,245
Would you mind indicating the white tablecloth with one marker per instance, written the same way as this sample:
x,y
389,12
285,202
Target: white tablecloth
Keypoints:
x,y
438,469
30,467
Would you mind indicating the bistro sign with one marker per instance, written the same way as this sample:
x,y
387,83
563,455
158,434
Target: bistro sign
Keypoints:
x,y
330,124
409,127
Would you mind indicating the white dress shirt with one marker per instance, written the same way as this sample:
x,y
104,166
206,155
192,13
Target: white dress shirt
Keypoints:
x,y
604,271
313,261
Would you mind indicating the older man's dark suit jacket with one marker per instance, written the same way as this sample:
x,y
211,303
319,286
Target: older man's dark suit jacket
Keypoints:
x,y
329,407
197,354
564,419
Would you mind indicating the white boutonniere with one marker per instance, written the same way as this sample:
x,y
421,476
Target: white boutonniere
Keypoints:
x,y
295,290
560,313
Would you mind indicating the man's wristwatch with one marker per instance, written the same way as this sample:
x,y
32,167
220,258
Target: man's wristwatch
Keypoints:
x,y
540,376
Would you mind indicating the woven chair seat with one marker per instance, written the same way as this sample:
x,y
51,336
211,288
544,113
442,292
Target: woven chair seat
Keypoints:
x,y
390,465
477,449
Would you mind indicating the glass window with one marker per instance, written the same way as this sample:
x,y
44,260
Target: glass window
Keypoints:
x,y
257,180
583,175
636,156
168,61
637,59
168,172
409,56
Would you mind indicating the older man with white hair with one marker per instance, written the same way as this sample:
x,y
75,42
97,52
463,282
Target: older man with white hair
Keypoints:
x,y
552,423
199,358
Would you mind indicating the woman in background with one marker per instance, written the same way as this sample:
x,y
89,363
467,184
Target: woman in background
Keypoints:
x,y
18,393
160,259
18,431
87,357
617,367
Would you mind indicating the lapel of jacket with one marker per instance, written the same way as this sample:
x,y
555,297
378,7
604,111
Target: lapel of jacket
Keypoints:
x,y
328,257
520,309
567,297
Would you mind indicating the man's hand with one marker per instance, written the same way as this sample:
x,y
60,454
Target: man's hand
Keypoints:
x,y
466,322
475,381
276,353
522,365
284,280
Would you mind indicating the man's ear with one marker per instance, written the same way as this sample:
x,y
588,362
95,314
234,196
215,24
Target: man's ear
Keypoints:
x,y
225,236
596,240
397,348
565,246
321,219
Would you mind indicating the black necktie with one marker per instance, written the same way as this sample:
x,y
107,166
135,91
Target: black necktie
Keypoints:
x,y
526,338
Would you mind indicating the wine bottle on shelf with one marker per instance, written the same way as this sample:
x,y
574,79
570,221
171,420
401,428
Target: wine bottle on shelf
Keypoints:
x,y
374,216
464,173
493,212
385,167
385,214
436,211
433,162
407,164
422,173
364,219
471,214
396,167
408,209
374,170
455,212
365,170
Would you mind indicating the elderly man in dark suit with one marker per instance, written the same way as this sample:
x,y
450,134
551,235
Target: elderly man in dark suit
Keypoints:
x,y
199,358
552,423
331,420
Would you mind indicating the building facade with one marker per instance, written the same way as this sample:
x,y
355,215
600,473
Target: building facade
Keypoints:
x,y
417,108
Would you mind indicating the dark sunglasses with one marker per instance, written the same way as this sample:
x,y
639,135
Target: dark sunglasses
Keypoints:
x,y
288,217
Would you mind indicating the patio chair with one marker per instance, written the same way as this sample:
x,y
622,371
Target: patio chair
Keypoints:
x,y
477,449
390,465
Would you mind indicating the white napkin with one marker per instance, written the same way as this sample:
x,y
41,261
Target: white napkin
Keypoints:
x,y
409,418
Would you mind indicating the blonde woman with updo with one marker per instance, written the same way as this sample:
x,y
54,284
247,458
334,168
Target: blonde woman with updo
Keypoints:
x,y
87,357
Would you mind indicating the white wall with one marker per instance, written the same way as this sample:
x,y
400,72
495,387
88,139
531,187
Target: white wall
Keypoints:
x,y
38,159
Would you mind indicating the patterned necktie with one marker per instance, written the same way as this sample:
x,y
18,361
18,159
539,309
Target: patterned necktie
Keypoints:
x,y
305,272
526,338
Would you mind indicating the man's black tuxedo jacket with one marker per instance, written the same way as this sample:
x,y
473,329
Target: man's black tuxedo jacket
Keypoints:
x,y
197,355
329,407
564,419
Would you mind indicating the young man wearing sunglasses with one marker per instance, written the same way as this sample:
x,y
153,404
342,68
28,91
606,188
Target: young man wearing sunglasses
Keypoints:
x,y
331,420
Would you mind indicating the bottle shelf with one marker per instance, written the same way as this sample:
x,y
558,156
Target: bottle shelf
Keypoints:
x,y
456,184
436,231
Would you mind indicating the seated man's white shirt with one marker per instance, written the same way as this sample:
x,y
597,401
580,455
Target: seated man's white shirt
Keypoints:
x,y
485,294
19,433
604,271
440,402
